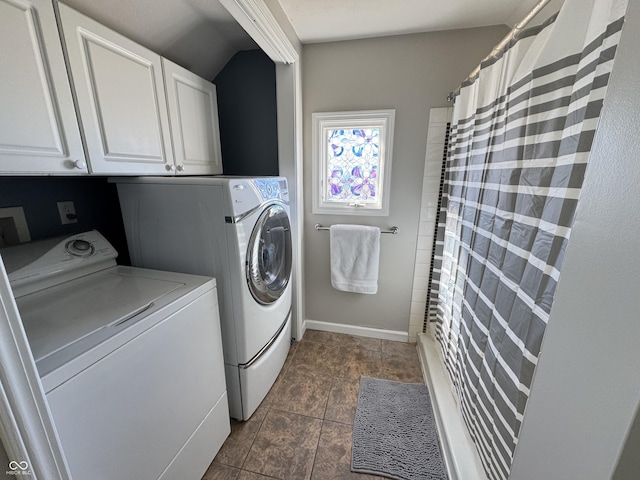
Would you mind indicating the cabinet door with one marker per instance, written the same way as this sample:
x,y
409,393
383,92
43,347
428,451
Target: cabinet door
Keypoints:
x,y
193,115
121,99
38,127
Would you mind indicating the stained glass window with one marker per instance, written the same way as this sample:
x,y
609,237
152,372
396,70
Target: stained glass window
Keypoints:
x,y
352,161
352,152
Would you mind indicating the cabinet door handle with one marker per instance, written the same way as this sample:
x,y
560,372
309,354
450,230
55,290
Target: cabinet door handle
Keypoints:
x,y
80,164
170,168
181,168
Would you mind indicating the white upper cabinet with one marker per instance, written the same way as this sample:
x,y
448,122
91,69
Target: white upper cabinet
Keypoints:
x,y
141,114
38,126
193,114
121,99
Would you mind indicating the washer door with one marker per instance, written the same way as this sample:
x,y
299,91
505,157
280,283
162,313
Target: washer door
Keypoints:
x,y
269,255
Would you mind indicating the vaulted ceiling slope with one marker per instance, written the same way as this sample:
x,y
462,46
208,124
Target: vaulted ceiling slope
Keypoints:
x,y
202,36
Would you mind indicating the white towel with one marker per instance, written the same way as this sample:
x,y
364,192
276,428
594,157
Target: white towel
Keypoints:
x,y
355,255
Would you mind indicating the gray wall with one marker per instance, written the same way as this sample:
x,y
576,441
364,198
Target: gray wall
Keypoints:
x,y
586,391
410,73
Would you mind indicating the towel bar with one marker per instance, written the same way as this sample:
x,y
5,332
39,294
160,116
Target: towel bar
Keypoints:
x,y
392,230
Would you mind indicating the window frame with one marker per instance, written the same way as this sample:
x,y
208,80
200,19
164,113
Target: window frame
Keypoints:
x,y
325,121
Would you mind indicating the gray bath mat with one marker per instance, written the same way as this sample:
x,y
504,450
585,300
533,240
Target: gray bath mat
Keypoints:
x,y
394,432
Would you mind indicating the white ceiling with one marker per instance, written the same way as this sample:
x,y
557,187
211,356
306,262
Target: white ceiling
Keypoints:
x,y
330,20
202,36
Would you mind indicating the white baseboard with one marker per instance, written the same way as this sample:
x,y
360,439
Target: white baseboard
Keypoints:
x,y
460,455
356,330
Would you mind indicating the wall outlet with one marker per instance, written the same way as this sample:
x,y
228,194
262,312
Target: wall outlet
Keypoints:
x,y
67,212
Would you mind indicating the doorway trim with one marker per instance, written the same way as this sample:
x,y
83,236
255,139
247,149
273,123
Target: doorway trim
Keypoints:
x,y
26,426
258,20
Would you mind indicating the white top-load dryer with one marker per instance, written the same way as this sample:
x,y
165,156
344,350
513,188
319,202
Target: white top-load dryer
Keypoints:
x,y
130,359
236,229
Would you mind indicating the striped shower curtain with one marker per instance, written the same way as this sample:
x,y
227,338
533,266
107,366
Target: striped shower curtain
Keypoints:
x,y
520,139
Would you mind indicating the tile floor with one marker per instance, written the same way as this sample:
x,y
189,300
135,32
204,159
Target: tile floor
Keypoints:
x,y
302,430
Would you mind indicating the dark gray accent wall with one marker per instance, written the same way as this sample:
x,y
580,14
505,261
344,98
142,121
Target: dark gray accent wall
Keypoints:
x,y
95,200
246,89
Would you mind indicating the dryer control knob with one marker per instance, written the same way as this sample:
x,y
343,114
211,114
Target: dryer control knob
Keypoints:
x,y
81,245
80,248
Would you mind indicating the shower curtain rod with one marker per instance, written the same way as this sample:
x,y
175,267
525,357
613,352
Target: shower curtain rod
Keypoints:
x,y
498,48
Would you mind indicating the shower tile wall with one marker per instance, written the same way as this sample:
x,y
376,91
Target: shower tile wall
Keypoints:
x,y
438,119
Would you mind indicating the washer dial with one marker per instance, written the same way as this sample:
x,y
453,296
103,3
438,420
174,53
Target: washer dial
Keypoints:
x,y
80,248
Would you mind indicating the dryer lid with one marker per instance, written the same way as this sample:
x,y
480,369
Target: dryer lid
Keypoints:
x,y
60,316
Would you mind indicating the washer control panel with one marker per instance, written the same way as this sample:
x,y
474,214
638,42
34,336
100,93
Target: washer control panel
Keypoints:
x,y
247,194
58,259
272,189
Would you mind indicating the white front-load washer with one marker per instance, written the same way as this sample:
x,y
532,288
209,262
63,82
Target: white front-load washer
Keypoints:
x,y
237,230
130,359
